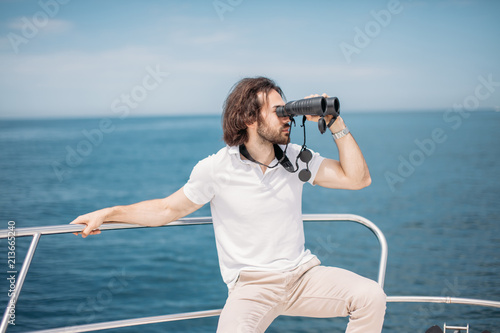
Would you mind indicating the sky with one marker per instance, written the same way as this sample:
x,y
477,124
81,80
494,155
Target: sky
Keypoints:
x,y
76,58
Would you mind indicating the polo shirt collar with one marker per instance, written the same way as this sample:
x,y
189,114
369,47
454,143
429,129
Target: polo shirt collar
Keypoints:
x,y
235,150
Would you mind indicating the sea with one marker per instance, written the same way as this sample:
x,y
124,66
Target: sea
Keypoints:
x,y
435,194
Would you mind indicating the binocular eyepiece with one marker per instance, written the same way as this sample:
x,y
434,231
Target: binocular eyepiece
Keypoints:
x,y
316,106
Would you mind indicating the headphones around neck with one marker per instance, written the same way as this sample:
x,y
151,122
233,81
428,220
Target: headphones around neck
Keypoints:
x,y
305,156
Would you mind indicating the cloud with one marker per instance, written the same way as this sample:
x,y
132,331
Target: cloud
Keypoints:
x,y
5,44
19,24
58,26
21,31
459,3
76,82
186,37
215,38
71,81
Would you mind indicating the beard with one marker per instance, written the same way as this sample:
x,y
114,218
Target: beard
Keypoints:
x,y
274,136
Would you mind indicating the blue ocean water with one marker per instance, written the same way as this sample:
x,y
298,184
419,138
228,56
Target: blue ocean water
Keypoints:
x,y
435,192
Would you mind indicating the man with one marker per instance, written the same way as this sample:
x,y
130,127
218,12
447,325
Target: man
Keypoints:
x,y
257,218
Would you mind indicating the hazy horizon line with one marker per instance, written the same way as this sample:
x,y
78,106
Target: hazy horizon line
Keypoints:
x,y
155,115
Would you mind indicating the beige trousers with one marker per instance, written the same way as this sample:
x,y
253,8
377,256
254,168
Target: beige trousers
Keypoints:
x,y
309,290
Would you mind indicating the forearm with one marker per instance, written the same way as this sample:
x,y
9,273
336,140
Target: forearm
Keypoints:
x,y
352,162
150,213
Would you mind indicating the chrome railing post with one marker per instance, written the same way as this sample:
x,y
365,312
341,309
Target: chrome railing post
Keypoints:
x,y
367,223
19,283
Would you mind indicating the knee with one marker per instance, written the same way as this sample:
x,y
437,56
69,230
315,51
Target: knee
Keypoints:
x,y
375,297
371,296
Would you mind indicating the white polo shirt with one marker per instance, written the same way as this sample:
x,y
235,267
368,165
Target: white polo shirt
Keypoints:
x,y
257,217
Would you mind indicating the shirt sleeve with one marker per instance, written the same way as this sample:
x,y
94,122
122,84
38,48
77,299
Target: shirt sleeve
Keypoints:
x,y
314,165
200,188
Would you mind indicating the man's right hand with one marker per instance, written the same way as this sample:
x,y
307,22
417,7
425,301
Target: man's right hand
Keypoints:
x,y
92,221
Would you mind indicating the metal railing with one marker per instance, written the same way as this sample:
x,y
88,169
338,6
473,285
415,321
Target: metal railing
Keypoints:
x,y
37,232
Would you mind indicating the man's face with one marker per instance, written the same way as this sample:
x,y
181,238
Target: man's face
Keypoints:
x,y
270,127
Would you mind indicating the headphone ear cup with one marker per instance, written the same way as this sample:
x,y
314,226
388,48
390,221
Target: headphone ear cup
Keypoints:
x,y
306,156
322,125
305,175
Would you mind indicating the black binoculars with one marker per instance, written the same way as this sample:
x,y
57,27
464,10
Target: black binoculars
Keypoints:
x,y
316,106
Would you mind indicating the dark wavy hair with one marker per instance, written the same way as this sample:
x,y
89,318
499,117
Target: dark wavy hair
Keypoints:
x,y
242,107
